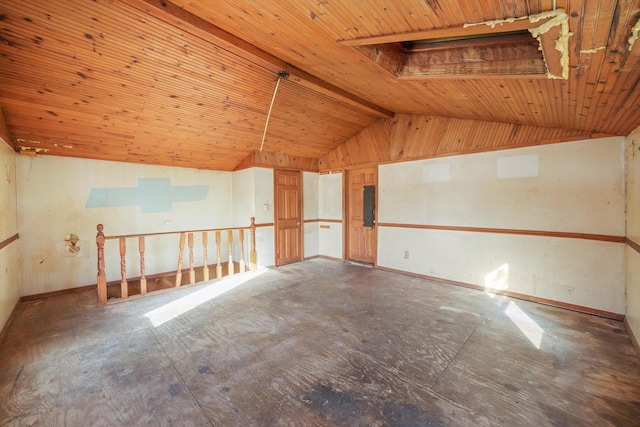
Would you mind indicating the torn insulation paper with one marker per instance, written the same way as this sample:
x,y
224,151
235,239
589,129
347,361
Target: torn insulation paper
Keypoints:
x,y
552,18
634,35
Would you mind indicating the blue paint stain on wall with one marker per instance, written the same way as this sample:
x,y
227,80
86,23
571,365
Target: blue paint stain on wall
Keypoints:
x,y
152,195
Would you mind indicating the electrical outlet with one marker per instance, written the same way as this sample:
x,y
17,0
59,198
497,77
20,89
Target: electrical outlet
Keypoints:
x,y
406,254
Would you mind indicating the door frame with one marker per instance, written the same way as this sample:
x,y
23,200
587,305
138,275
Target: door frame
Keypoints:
x,y
275,215
345,210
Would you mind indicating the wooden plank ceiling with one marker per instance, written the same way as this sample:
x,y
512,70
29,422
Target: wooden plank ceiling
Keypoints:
x,y
189,82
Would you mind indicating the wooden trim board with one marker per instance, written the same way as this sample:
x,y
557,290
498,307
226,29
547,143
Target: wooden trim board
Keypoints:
x,y
57,293
10,319
633,338
560,234
633,245
4,130
266,224
8,241
331,258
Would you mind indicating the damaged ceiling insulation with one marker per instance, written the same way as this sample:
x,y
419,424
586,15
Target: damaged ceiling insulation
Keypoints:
x,y
25,146
32,151
552,19
634,34
474,49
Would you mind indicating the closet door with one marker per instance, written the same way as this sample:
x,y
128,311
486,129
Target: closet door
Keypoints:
x,y
288,215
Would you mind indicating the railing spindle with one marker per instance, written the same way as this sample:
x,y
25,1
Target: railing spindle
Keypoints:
x,y
230,242
179,272
102,277
247,261
218,266
205,256
124,288
241,237
253,255
143,279
192,272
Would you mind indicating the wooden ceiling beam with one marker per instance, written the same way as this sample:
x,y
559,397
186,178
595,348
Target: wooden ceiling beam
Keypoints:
x,y
4,130
176,16
268,159
389,55
442,33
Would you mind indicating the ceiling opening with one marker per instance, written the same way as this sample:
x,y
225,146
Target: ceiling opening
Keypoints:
x,y
527,46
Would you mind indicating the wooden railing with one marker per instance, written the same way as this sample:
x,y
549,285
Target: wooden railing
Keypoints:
x,y
184,238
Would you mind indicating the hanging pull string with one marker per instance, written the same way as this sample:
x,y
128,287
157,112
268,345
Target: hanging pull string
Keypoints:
x,y
281,75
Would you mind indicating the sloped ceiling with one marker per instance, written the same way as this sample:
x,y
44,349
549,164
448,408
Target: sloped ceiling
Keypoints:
x,y
190,83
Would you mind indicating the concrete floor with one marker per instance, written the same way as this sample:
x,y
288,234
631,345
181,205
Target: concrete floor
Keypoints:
x,y
315,343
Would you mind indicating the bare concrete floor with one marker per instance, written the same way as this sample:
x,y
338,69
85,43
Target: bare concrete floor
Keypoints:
x,y
316,343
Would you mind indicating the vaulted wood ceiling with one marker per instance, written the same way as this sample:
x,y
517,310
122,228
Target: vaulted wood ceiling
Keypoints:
x,y
190,82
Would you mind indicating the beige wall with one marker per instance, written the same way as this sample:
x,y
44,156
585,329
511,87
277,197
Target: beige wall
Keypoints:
x,y
568,187
633,233
581,272
330,241
9,255
571,187
311,200
253,197
53,202
575,187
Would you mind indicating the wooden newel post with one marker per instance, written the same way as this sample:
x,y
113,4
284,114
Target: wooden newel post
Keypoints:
x,y
253,255
102,277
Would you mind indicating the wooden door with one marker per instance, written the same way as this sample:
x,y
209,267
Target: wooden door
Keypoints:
x,y
361,239
288,216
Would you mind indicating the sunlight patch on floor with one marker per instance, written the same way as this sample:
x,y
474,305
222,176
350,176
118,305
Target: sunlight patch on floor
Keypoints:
x,y
180,306
527,326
